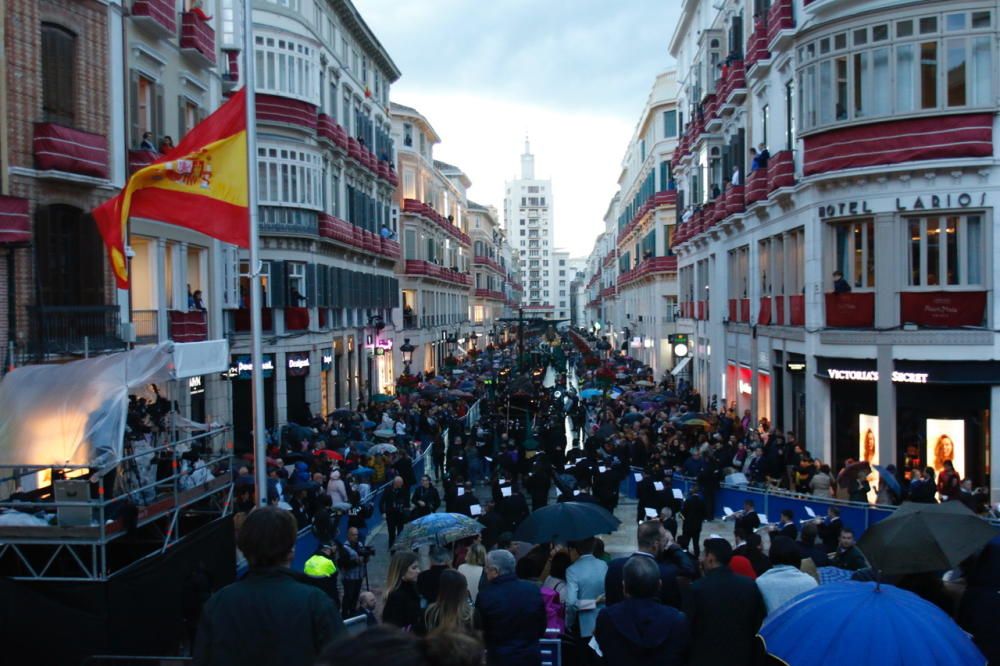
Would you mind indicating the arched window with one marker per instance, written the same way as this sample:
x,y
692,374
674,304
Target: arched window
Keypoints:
x,y
69,257
58,74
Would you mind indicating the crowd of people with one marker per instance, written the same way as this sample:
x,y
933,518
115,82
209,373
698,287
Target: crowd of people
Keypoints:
x,y
681,598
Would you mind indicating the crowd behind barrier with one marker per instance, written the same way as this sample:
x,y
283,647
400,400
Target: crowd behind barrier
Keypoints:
x,y
771,501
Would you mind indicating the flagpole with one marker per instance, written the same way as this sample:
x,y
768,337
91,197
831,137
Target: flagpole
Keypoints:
x,y
256,297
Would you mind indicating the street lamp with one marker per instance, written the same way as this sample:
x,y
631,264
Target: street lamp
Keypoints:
x,y
406,349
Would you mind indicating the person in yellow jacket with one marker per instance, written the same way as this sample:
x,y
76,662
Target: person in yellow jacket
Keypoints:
x,y
321,570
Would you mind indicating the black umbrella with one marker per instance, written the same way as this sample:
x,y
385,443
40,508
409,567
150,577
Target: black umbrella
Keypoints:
x,y
566,521
925,537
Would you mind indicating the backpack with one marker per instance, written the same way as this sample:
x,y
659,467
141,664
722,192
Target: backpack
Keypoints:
x,y
555,610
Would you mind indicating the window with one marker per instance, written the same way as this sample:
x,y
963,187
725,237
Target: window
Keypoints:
x,y
285,67
670,123
188,115
945,250
289,177
58,74
70,257
290,4
296,284
854,246
408,135
146,108
918,71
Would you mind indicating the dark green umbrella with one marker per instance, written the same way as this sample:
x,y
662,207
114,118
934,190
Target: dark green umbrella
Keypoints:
x,y
919,538
382,397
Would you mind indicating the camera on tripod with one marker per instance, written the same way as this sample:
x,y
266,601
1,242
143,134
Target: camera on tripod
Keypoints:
x,y
365,551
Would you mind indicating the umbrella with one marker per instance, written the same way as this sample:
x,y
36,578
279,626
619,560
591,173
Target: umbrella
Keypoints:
x,y
590,393
460,394
385,433
436,528
382,397
341,412
566,521
890,478
362,472
925,537
644,383
634,416
865,623
367,424
379,449
331,454
696,423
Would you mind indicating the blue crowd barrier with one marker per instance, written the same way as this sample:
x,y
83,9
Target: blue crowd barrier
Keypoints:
x,y
771,502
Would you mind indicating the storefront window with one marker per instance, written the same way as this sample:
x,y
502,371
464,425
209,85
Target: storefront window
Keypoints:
x,y
945,250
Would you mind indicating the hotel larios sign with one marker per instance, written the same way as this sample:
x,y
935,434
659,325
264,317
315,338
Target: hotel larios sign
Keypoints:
x,y
919,203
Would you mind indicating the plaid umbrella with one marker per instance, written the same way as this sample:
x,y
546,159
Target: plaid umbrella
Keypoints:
x,y
436,528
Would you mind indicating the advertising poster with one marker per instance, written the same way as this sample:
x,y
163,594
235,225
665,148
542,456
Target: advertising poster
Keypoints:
x,y
946,441
868,449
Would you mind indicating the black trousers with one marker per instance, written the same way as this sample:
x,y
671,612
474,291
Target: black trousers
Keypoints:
x,y
352,590
393,525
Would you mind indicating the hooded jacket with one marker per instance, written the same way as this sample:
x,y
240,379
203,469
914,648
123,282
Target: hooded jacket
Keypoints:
x,y
642,631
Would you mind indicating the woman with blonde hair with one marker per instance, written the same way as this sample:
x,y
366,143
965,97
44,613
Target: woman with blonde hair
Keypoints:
x,y
944,449
402,600
452,610
472,568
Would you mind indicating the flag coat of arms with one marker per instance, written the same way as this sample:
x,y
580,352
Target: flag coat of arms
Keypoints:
x,y
201,184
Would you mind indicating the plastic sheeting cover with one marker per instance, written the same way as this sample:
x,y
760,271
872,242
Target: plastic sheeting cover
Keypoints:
x,y
74,414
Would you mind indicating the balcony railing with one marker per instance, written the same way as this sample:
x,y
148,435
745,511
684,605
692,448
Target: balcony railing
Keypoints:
x,y
489,294
197,37
944,309
188,326
241,320
414,207
286,111
649,267
780,17
61,148
757,45
140,159
296,318
157,14
295,221
850,310
73,330
423,268
146,326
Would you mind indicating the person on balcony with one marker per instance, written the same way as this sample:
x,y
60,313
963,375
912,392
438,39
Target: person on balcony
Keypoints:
x,y
840,285
147,142
754,160
385,232
166,145
763,155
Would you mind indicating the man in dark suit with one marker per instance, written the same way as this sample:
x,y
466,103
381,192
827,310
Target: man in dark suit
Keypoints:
x,y
651,538
747,519
725,610
829,529
638,630
786,526
512,612
694,513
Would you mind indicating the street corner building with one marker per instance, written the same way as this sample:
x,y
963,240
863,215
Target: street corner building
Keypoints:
x,y
817,189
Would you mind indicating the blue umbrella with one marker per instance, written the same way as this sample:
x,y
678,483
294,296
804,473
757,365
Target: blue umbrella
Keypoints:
x,y
367,424
362,472
890,478
590,393
865,623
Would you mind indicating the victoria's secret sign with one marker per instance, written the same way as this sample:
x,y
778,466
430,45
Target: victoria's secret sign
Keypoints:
x,y
920,202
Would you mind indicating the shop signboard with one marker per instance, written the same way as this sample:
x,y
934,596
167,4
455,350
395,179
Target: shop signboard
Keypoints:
x,y
943,308
241,367
297,363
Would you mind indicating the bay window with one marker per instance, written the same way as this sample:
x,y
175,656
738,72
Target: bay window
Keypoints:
x,y
932,63
945,250
285,67
289,177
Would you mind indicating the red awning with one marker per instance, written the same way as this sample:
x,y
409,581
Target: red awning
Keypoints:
x,y
15,221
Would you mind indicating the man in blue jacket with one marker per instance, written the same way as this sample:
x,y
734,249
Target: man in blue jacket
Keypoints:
x,y
512,612
640,630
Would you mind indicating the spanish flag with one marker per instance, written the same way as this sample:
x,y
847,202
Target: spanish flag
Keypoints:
x,y
201,184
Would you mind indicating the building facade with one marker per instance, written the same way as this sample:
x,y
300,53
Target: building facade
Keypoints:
x,y
326,181
644,217
61,154
843,285
436,269
491,261
529,222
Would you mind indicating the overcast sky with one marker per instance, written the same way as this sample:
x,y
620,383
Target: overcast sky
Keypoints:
x,y
571,74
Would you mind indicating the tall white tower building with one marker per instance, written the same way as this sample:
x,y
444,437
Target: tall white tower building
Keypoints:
x,y
529,224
